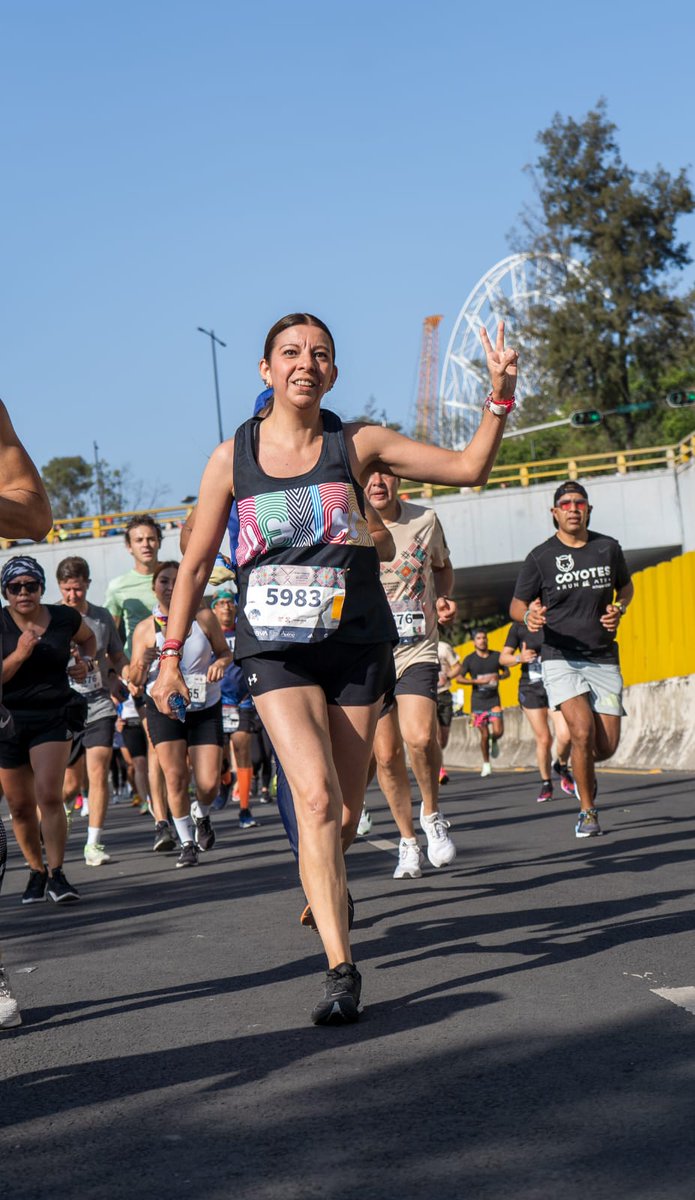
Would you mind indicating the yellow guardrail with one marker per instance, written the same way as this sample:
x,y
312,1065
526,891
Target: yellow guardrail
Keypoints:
x,y
576,466
657,633
622,462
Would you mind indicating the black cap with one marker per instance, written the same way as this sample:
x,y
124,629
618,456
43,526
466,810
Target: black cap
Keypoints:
x,y
570,486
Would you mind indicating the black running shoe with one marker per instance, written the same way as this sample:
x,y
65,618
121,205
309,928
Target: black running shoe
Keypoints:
x,y
204,833
188,856
59,889
341,1002
307,917
164,839
35,890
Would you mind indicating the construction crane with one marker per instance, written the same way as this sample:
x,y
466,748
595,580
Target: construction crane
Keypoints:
x,y
427,412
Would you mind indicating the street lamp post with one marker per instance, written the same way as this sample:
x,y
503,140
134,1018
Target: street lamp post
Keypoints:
x,y
213,342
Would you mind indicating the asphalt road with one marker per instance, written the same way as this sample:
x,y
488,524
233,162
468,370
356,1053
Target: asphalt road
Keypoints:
x,y
512,1043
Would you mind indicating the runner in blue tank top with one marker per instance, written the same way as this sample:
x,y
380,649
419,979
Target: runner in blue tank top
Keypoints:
x,y
315,632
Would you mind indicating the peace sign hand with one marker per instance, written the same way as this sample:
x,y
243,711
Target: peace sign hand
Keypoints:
x,y
501,364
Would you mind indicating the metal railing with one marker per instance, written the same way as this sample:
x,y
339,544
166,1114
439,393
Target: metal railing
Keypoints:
x,y
575,466
620,462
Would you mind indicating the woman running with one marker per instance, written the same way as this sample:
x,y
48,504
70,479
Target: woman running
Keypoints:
x,y
103,691
36,645
314,631
199,736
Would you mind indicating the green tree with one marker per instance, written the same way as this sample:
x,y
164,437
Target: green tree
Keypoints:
x,y
68,481
621,329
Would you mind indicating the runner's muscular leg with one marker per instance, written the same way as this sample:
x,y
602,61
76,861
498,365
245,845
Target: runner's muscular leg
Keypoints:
x,y
607,735
392,772
98,762
580,722
563,742
297,722
352,737
417,716
18,785
48,763
538,720
207,763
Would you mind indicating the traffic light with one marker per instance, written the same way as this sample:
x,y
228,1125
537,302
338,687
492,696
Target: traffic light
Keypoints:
x,y
680,399
588,416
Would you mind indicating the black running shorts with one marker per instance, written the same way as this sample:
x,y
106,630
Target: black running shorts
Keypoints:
x,y
445,709
533,695
97,733
33,729
135,738
202,727
350,675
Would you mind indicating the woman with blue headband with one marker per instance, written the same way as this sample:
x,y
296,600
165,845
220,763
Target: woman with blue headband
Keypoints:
x,y
37,642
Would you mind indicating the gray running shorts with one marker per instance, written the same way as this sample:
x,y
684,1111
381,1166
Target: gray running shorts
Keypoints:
x,y
600,682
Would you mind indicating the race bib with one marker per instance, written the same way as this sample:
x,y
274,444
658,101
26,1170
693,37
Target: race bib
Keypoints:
x,y
92,682
197,686
410,621
230,718
288,603
535,671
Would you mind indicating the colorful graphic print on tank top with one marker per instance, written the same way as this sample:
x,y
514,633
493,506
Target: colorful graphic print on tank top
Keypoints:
x,y
301,516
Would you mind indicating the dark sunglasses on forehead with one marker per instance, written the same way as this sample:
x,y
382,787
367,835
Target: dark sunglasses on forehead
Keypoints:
x,y
580,504
31,586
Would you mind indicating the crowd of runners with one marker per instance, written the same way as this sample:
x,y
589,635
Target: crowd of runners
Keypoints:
x,y
318,656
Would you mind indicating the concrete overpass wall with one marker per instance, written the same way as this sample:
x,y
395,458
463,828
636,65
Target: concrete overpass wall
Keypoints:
x,y
657,733
643,511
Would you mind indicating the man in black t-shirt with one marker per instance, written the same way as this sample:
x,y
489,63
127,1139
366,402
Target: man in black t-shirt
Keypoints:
x,y
576,587
484,672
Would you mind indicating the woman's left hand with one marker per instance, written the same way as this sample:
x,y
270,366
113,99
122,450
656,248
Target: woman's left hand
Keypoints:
x,y
501,364
216,671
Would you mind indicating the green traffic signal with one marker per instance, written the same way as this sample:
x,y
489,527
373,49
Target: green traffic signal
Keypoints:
x,y
588,416
680,399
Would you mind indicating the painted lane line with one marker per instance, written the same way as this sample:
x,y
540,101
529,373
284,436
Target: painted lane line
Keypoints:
x,y
684,997
382,844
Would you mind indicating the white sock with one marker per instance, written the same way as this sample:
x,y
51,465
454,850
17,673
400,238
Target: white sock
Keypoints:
x,y
184,828
93,835
204,809
410,841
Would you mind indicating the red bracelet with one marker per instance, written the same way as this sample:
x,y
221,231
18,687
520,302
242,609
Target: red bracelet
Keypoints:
x,y
500,407
172,644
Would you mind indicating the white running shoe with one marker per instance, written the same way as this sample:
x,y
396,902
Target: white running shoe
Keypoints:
x,y
410,860
95,854
485,770
9,1008
365,825
441,851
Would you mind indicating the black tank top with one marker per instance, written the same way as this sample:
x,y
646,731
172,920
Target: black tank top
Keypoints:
x,y
307,566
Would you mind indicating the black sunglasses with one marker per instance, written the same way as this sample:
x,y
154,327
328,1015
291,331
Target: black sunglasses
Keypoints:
x,y
32,586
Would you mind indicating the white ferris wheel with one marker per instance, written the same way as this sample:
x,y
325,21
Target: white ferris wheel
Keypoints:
x,y
506,292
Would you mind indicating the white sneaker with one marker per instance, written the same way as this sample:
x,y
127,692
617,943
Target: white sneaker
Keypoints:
x,y
410,860
365,825
486,769
440,849
9,1008
95,854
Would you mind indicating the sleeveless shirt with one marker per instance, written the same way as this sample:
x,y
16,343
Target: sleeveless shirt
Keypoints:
x,y
307,566
195,660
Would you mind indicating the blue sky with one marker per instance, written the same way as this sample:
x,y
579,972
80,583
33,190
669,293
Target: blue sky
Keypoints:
x,y
169,165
